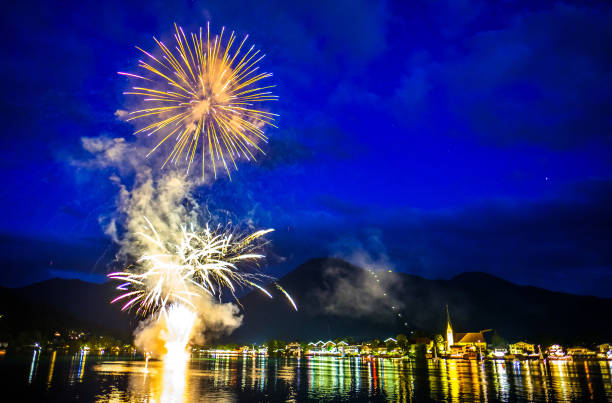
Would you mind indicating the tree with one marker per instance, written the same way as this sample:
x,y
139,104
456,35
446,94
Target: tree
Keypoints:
x,y
402,342
498,341
439,342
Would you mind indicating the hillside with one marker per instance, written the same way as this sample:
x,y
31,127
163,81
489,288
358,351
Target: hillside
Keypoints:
x,y
61,303
337,299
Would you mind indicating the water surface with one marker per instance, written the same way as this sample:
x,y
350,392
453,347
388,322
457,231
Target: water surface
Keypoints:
x,y
89,377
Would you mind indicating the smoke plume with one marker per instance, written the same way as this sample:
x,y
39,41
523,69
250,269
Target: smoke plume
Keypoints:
x,y
369,292
164,202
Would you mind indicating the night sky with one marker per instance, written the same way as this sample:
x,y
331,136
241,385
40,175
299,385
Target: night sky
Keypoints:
x,y
436,137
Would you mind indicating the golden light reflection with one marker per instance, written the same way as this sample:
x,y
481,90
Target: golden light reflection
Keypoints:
x,y
173,379
329,378
51,368
453,379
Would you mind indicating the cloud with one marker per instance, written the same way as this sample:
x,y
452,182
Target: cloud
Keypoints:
x,y
559,243
546,243
544,78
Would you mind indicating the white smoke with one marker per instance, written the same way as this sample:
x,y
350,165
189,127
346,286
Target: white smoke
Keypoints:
x,y
212,319
166,203
371,292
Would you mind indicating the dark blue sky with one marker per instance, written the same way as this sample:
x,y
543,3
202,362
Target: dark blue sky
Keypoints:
x,y
444,136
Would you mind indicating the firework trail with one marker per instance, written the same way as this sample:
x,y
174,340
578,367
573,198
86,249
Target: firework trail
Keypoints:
x,y
204,91
201,262
286,295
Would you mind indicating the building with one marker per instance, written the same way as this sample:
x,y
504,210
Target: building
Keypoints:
x,y
353,349
458,344
555,351
450,340
580,352
326,347
604,351
366,349
522,348
341,347
293,348
471,339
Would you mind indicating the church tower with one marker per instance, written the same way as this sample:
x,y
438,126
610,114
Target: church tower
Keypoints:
x,y
449,331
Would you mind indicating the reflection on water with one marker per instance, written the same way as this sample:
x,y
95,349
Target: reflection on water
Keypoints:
x,y
53,377
51,367
33,364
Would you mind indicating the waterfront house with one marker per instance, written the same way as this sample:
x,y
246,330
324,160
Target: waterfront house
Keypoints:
x,y
580,352
316,348
325,347
366,349
293,348
604,351
471,339
604,348
522,348
353,349
329,347
555,351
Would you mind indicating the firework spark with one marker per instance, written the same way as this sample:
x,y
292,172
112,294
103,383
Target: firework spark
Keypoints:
x,y
286,295
201,262
204,91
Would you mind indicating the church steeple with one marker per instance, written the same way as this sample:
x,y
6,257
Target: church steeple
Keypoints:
x,y
449,331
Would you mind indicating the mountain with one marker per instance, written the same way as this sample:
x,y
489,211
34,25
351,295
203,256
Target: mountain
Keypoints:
x,y
60,303
337,299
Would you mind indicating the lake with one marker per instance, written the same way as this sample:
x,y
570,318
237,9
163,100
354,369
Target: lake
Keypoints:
x,y
93,378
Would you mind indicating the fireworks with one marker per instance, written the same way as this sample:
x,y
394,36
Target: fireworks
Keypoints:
x,y
286,295
201,262
201,95
205,91
179,325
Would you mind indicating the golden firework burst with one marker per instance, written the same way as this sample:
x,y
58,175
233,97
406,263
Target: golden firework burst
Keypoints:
x,y
204,91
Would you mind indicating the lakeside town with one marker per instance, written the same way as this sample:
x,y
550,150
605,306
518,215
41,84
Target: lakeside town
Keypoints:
x,y
479,345
466,348
475,345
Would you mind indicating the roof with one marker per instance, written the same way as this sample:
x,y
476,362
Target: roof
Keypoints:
x,y
466,338
522,343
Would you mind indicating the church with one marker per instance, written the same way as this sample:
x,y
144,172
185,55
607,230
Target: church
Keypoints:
x,y
460,344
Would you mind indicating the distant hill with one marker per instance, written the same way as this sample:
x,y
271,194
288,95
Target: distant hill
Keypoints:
x,y
60,303
338,299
